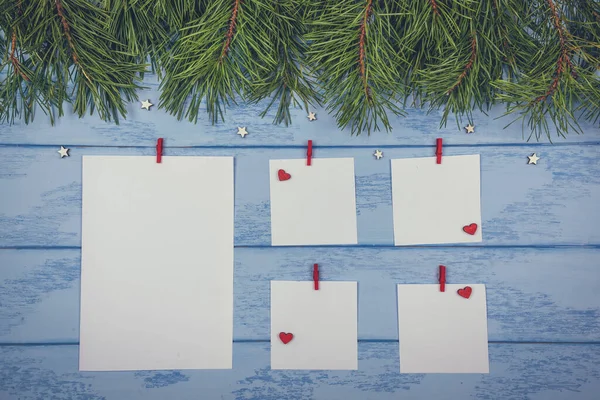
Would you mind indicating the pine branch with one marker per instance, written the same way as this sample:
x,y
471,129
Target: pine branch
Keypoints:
x,y
13,58
564,61
549,85
230,30
18,95
67,31
364,59
215,58
140,27
355,53
434,7
288,83
469,64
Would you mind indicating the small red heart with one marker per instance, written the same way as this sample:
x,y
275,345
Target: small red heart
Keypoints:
x,y
283,176
286,337
464,292
470,229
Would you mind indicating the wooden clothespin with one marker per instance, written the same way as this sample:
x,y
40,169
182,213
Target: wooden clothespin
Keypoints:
x,y
316,276
442,278
309,153
438,150
159,150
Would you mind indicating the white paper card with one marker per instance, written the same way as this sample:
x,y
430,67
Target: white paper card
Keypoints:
x,y
316,206
323,322
433,202
442,332
157,263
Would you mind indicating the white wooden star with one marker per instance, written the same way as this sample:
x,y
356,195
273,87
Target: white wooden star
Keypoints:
x,y
146,104
533,159
63,152
378,154
311,116
242,131
470,128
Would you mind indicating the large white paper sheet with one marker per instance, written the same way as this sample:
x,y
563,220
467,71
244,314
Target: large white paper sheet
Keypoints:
x,y
433,202
157,263
316,206
323,322
442,332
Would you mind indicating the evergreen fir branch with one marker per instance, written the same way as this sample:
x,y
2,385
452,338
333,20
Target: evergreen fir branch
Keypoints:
x,y
13,59
457,74
173,15
104,77
288,83
364,59
215,59
70,56
434,7
425,29
19,95
355,52
468,65
135,24
559,79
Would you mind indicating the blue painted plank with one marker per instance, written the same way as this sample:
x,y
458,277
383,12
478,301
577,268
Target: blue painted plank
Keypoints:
x,y
517,372
554,202
143,127
534,295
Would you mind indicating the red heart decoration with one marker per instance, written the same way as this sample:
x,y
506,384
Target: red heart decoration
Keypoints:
x,y
470,229
286,337
283,176
464,292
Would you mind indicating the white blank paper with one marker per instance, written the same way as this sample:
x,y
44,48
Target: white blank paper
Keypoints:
x,y
323,322
157,263
433,202
316,206
442,332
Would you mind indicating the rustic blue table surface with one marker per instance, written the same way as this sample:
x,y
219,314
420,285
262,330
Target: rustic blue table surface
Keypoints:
x,y
540,258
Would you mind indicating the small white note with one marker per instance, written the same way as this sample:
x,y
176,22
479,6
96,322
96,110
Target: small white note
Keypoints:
x,y
442,332
322,324
157,263
313,205
436,203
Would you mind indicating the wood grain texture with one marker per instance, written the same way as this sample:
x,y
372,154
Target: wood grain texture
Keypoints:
x,y
533,295
517,372
554,202
539,258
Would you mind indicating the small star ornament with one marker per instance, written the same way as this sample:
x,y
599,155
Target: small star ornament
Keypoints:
x,y
311,116
470,128
146,105
533,159
63,152
242,131
378,154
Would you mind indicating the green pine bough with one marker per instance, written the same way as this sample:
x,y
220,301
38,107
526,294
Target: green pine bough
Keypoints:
x,y
364,60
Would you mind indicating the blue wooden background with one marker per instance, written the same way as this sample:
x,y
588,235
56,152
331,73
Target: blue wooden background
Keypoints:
x,y
540,258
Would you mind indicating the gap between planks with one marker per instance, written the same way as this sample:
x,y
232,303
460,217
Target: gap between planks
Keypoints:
x,y
492,342
302,146
360,246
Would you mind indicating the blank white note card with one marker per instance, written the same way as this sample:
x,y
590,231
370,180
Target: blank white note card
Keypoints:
x,y
156,263
314,329
436,203
313,205
442,332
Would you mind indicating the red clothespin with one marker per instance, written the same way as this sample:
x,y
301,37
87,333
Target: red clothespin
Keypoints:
x,y
442,278
316,276
438,150
309,153
159,150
